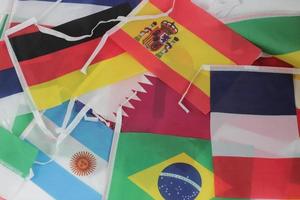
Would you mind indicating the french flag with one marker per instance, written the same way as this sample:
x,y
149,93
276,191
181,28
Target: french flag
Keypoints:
x,y
254,133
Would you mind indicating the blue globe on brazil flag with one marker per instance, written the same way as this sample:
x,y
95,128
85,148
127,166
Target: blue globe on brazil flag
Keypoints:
x,y
179,181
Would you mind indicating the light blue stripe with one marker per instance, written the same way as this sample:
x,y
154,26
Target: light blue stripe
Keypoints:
x,y
57,113
94,135
59,183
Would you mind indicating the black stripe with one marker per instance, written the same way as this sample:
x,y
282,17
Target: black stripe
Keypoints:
x,y
37,44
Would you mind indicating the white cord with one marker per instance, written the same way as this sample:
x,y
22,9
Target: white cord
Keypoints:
x,y
187,90
114,146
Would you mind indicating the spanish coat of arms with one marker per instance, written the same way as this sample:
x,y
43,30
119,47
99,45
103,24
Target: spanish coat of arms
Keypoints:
x,y
156,37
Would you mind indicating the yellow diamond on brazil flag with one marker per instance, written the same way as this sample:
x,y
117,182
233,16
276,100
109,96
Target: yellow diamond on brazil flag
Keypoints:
x,y
180,177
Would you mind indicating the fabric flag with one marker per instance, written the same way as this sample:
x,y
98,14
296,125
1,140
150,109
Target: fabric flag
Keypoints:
x,y
255,138
16,160
277,36
160,44
236,10
156,110
175,168
62,81
108,99
79,166
272,25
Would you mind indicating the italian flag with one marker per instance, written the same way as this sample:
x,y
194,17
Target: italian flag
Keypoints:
x,y
272,25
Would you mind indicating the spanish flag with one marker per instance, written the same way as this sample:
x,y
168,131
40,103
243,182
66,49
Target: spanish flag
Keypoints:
x,y
175,47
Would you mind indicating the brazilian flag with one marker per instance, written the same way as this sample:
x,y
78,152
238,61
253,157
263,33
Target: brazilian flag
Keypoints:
x,y
150,166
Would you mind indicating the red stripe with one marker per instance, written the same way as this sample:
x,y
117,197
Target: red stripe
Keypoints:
x,y
211,30
238,177
5,61
160,69
54,65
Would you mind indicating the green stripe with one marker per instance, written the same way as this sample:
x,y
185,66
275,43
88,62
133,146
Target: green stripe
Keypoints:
x,y
20,123
274,35
139,151
2,24
16,154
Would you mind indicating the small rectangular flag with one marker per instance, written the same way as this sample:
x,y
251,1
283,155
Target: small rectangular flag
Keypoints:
x,y
272,25
275,35
254,133
155,109
174,168
173,48
80,164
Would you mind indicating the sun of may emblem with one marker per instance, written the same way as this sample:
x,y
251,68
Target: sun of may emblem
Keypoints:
x,y
155,37
83,163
